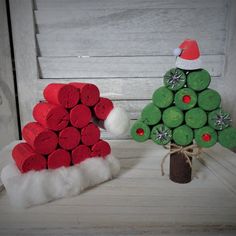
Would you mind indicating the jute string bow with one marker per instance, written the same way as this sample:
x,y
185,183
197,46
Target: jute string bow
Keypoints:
x,y
189,151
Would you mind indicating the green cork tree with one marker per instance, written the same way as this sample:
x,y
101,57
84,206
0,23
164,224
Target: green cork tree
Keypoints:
x,y
185,111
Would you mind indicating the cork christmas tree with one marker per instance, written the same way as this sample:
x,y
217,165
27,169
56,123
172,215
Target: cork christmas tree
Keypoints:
x,y
185,113
62,152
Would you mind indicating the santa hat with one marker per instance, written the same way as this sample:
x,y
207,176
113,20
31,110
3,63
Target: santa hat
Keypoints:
x,y
188,55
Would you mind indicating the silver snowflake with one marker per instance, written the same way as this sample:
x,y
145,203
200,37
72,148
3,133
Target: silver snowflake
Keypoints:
x,y
174,78
163,134
222,120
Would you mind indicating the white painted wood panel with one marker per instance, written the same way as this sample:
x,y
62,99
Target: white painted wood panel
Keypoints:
x,y
97,67
140,201
121,4
8,117
136,31
25,54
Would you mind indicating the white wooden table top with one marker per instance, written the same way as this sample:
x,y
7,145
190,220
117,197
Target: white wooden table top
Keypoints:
x,y
140,201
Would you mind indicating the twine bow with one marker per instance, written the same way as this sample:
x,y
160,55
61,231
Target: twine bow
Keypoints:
x,y
189,151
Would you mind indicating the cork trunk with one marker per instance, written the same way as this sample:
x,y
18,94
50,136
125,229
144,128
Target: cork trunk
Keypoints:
x,y
180,170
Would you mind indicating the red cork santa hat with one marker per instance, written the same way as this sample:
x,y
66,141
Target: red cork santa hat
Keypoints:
x,y
188,55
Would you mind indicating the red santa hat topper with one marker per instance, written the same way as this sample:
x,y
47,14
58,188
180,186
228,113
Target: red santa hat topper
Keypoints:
x,y
188,55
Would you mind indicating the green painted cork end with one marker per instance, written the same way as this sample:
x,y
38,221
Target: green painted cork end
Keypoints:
x,y
151,114
218,119
183,135
198,80
172,117
209,100
196,118
163,97
227,137
205,137
174,79
161,134
185,99
140,132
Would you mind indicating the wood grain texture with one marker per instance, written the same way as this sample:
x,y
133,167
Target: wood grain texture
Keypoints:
x,y
25,53
140,200
136,31
98,67
8,117
114,4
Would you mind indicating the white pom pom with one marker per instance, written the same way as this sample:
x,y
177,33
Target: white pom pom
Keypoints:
x,y
117,121
177,52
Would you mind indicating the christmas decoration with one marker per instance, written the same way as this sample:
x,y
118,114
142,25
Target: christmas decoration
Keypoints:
x,y
64,153
185,113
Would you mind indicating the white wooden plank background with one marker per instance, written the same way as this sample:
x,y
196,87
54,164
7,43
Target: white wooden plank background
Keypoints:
x,y
8,117
140,200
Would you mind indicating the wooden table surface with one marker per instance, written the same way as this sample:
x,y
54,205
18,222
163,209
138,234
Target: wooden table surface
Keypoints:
x,y
140,201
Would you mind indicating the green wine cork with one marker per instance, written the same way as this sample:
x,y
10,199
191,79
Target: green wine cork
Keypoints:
x,y
227,137
198,80
209,99
185,98
163,97
161,134
183,135
205,137
196,118
218,119
173,117
140,132
174,79
151,114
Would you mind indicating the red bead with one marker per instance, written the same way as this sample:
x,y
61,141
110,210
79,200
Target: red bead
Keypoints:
x,y
186,99
140,132
206,137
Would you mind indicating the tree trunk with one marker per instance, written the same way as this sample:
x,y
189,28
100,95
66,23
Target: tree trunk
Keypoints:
x,y
180,170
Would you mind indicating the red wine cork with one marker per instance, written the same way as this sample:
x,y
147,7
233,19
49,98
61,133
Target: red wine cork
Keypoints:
x,y
89,93
26,159
101,149
59,158
42,140
80,116
103,108
52,116
69,138
80,153
62,94
90,134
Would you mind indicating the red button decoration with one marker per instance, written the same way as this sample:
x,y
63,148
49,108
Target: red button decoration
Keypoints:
x,y
186,99
206,137
140,132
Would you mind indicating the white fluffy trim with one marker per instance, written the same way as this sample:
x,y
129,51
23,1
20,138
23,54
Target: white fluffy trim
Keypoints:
x,y
188,64
38,187
117,121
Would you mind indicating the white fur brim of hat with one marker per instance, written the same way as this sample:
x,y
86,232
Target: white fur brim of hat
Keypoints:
x,y
188,64
117,122
38,187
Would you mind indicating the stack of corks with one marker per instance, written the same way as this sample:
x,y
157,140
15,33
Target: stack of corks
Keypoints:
x,y
181,111
63,133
